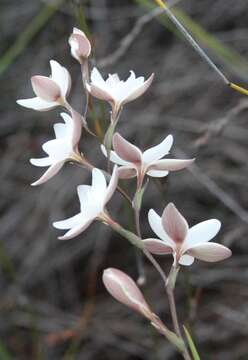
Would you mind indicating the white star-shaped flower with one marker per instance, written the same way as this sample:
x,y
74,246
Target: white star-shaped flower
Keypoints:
x,y
135,163
50,91
61,149
117,92
183,242
92,204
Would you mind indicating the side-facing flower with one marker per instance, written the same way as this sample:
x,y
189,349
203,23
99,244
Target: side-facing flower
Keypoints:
x,y
92,204
50,91
61,149
183,242
135,163
117,92
80,45
124,290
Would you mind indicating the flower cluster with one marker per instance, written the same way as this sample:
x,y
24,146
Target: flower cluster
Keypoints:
x,y
174,235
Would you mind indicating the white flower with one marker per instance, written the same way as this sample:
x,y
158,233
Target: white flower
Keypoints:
x,y
92,204
135,163
185,244
117,92
50,91
80,45
61,149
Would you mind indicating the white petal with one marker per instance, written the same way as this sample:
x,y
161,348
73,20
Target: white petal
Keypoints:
x,y
58,149
158,151
98,181
99,93
37,104
211,252
157,247
157,173
171,164
76,230
186,260
112,80
60,130
139,90
51,171
112,185
202,232
114,157
61,76
156,225
47,161
96,78
69,223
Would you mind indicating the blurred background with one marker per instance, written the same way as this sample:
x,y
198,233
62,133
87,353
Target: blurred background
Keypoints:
x,y
53,304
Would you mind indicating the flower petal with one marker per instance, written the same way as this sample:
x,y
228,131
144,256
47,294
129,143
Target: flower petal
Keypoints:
x,y
171,164
157,247
126,150
210,252
45,88
99,93
51,171
158,151
58,149
112,185
156,225
174,223
114,157
202,232
139,90
46,161
98,181
37,103
69,223
76,230
186,260
157,173
61,76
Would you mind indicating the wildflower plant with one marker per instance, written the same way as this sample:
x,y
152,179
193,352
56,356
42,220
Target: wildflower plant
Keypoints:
x,y
124,160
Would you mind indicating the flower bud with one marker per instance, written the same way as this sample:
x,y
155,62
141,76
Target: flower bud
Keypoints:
x,y
124,290
45,88
80,45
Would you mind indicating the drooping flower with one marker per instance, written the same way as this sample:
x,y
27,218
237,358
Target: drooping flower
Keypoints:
x,y
183,242
135,163
80,45
50,91
92,204
117,92
61,149
124,290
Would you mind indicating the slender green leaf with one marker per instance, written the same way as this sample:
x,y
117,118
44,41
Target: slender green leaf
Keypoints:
x,y
192,346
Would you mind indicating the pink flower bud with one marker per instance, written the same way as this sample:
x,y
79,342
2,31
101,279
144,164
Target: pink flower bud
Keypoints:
x,y
80,45
45,88
124,290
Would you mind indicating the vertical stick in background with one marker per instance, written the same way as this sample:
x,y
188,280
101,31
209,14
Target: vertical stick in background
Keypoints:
x,y
198,49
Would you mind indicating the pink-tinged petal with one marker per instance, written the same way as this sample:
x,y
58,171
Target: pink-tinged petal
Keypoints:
x,y
114,157
157,152
75,231
157,173
127,172
69,223
51,171
45,88
171,164
47,161
77,128
37,103
210,252
126,150
174,223
112,185
202,232
99,93
80,45
61,76
139,90
186,260
156,225
124,290
157,247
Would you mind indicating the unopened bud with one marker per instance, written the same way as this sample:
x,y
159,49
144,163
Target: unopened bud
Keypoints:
x,y
80,45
